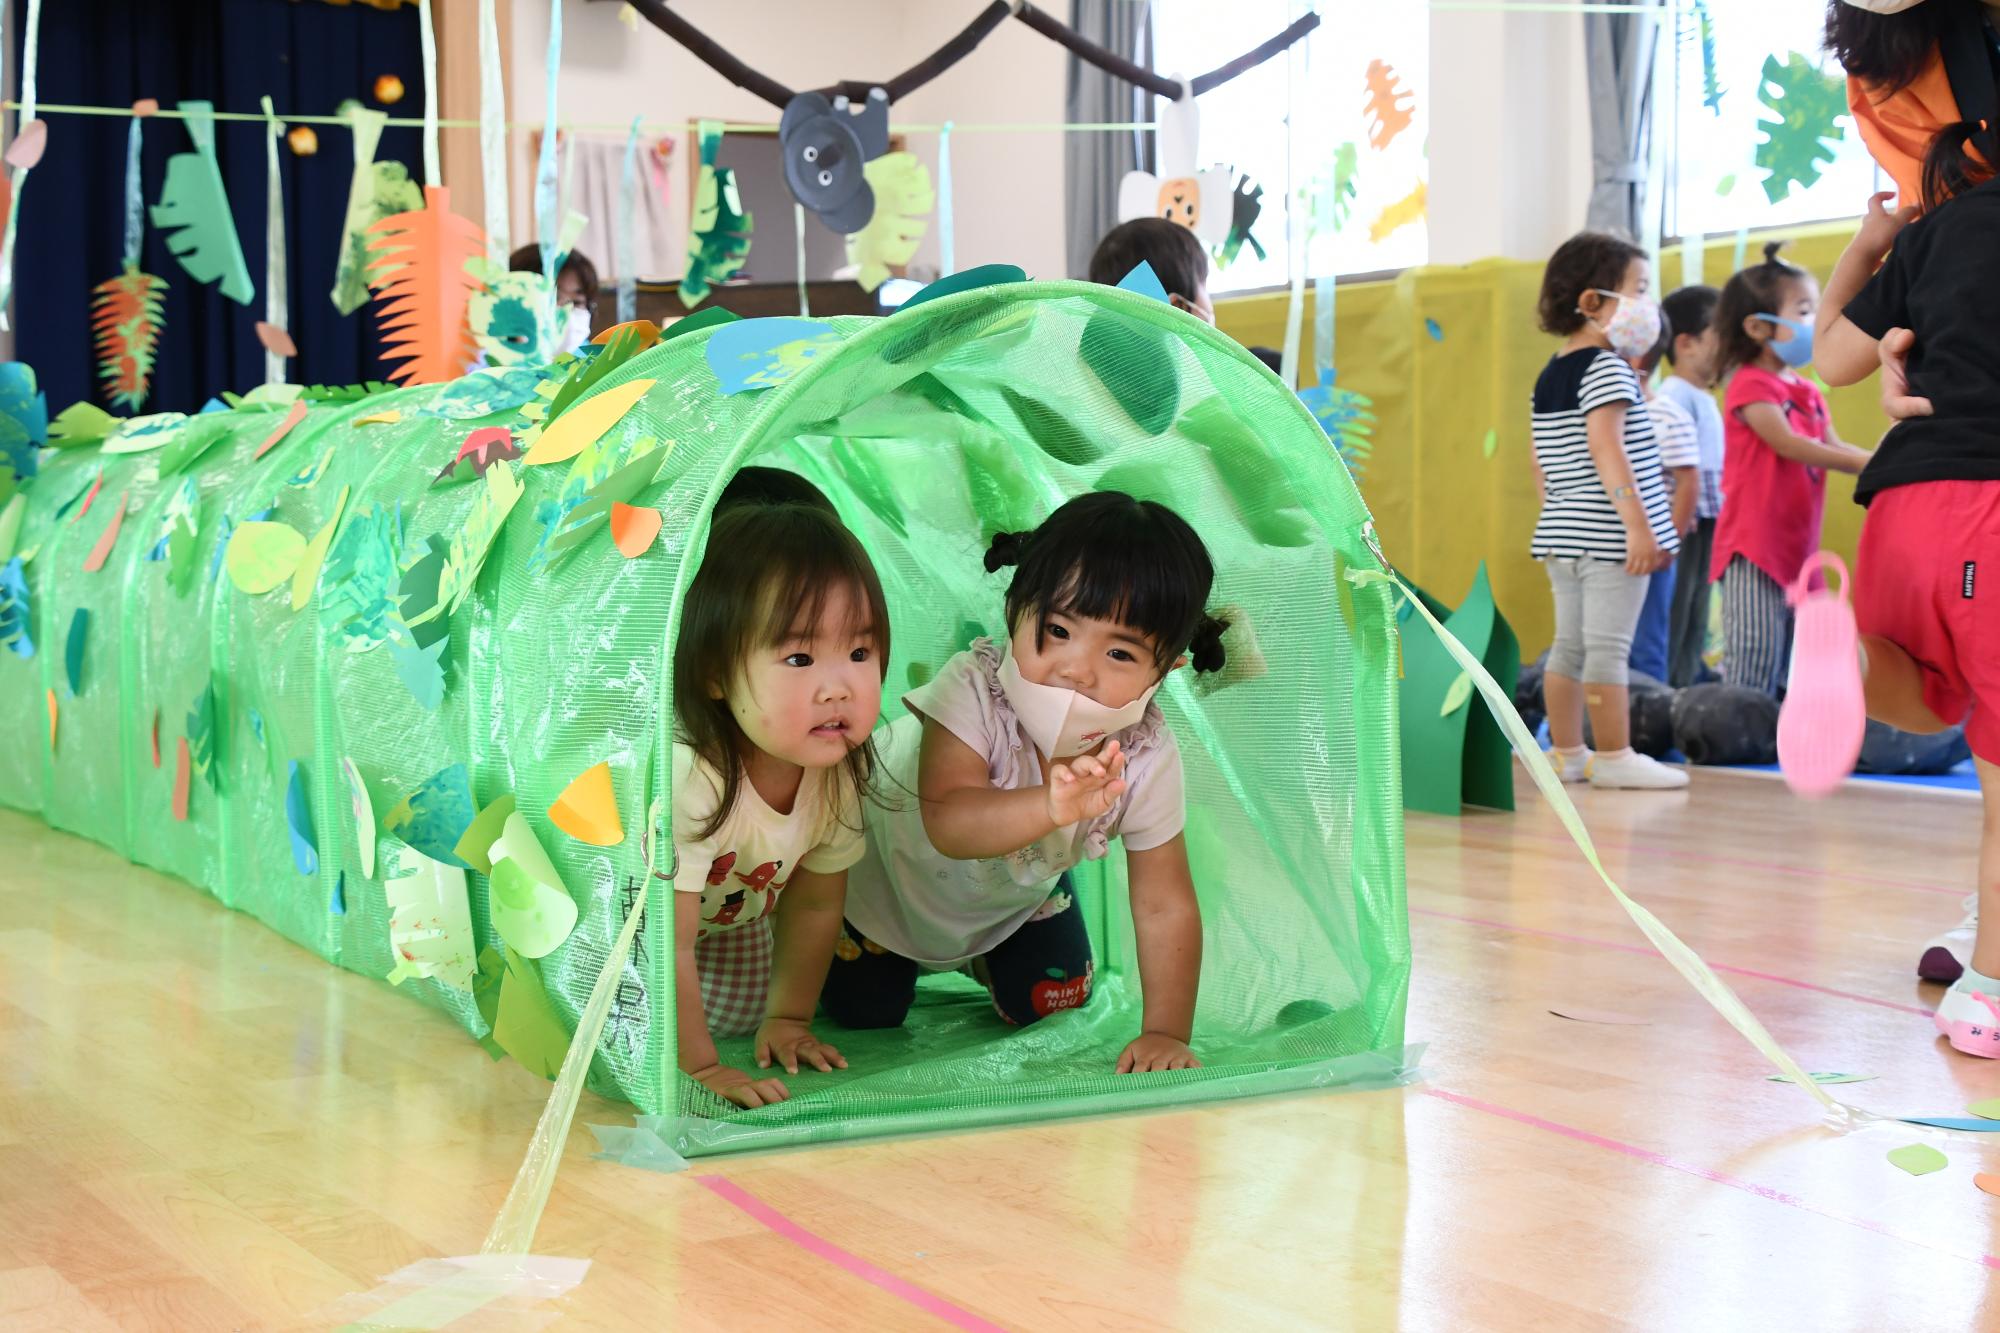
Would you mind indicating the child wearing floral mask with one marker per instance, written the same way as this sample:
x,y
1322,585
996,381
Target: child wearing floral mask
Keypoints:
x,y
1029,757
1606,524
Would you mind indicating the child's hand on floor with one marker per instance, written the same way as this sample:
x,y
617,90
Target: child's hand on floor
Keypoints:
x,y
1086,786
736,1086
1153,1051
790,1041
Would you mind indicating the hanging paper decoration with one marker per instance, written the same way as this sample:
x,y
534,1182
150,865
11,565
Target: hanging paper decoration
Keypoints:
x,y
30,48
1248,204
1390,107
377,190
126,311
493,135
1340,187
545,158
719,230
277,285
1808,104
947,246
25,153
194,211
623,258
388,89
423,288
1346,417
303,140
24,427
1410,208
15,611
1198,200
903,196
513,316
427,41
826,148
1698,26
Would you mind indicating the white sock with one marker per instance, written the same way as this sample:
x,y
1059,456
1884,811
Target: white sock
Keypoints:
x,y
1970,980
1616,756
1572,751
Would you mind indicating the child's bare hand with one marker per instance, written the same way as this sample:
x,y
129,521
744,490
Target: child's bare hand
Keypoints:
x,y
1881,224
1897,401
790,1041
736,1086
1086,786
1151,1052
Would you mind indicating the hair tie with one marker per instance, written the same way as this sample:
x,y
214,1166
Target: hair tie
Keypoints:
x,y
1005,549
1205,652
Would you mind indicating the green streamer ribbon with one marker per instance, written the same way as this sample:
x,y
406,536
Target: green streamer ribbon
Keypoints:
x,y
30,41
947,246
277,286
622,256
493,137
545,164
433,172
135,207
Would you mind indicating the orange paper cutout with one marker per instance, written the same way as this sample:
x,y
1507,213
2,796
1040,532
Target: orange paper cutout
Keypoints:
x,y
276,339
102,551
1988,1182
26,151
648,331
588,810
126,315
52,721
156,738
95,487
633,528
417,268
146,106
183,770
1390,106
292,418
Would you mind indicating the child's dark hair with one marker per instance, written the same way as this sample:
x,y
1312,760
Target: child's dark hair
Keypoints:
x,y
1107,556
771,570
1890,51
1687,313
1587,261
1175,253
528,259
1757,290
770,486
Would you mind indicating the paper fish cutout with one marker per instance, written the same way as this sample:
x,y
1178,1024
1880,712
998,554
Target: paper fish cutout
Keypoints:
x,y
588,809
1197,199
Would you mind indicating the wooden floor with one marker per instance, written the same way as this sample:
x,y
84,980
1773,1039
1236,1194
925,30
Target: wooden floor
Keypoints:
x,y
202,1126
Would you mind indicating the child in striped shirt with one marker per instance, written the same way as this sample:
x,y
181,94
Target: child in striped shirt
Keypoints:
x,y
1606,524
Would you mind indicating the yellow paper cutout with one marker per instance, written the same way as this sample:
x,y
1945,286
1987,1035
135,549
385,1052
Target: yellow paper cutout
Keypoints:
x,y
262,555
315,556
582,425
385,418
1410,208
588,809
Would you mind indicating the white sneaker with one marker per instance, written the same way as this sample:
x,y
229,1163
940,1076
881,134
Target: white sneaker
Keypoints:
x,y
1636,772
1970,1021
1569,770
1947,954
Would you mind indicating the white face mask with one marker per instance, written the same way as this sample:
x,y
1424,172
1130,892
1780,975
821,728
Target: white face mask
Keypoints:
x,y
1884,6
1062,722
576,329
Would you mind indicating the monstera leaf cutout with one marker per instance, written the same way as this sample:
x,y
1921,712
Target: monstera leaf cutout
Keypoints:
x,y
719,229
423,288
194,213
903,200
126,313
1799,142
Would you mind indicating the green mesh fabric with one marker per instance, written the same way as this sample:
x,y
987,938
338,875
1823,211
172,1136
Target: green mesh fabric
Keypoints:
x,y
929,430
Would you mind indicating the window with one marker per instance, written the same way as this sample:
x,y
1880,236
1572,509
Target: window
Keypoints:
x,y
1295,122
1717,185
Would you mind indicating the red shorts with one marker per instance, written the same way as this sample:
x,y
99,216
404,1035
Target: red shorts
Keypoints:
x,y
1929,582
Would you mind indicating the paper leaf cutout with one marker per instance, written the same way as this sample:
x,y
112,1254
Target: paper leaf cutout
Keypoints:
x,y
260,556
11,515
588,494
526,1024
80,424
126,312
591,371
364,816
513,315
1390,107
194,215
276,340
108,538
482,833
54,713
1798,142
293,416
759,353
79,636
1490,443
15,610
903,201
588,809
308,476
1345,417
719,230
200,740
486,392
1919,1159
375,190
482,449
634,530
299,822
1246,206
357,590
1456,697
430,921
1698,27
469,547
585,424
1409,209
307,573
421,670
422,288
434,816
87,496
30,142
1346,166
183,779
530,907
138,435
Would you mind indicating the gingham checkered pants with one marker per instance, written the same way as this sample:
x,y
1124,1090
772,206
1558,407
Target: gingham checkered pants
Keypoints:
x,y
735,971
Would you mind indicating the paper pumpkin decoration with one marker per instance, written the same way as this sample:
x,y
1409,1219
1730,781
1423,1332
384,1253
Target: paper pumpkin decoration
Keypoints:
x,y
513,317
1198,200
826,148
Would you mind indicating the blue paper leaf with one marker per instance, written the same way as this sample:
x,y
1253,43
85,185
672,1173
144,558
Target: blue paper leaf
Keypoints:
x,y
434,817
754,354
79,630
15,610
298,818
339,904
1144,281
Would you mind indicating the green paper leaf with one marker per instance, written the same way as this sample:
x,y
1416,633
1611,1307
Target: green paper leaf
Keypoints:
x,y
469,547
80,424
1455,698
193,211
1919,1159
1825,1078
1798,142
1986,1110
1490,444
903,201
375,190
587,375
718,229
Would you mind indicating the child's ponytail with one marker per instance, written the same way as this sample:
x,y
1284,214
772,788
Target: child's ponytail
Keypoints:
x,y
1950,169
1205,651
1005,549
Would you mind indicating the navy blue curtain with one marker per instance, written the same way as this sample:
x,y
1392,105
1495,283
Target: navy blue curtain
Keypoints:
x,y
309,57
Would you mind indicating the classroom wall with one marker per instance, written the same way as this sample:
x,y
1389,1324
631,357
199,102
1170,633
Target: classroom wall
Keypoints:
x,y
1007,188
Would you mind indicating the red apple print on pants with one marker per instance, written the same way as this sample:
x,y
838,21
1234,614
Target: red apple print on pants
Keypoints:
x,y
1059,992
